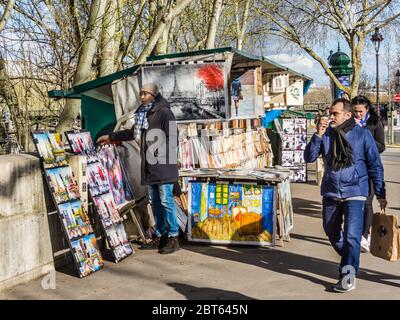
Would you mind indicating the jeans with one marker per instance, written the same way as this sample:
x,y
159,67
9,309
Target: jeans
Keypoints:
x,y
164,209
345,241
369,211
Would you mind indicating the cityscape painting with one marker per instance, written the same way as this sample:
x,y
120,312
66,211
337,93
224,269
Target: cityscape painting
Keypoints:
x,y
194,91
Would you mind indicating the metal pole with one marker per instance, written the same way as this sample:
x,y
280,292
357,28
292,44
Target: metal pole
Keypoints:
x,y
377,83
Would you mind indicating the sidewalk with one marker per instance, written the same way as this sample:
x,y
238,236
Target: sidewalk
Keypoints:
x,y
302,269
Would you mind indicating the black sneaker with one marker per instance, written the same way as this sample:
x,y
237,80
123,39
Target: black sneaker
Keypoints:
x,y
344,286
171,246
156,243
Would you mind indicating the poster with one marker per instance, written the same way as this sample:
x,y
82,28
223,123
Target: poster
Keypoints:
x,y
294,142
285,202
194,91
294,93
50,148
246,95
86,253
118,182
81,143
231,213
97,179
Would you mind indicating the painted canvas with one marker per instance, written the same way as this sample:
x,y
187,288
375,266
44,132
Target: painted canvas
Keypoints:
x,y
286,206
50,148
118,182
81,143
87,255
246,98
231,213
194,91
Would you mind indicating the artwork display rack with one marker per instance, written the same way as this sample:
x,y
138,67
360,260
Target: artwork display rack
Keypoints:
x,y
110,203
75,222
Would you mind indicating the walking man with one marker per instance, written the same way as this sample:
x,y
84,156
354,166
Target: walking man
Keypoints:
x,y
155,130
350,158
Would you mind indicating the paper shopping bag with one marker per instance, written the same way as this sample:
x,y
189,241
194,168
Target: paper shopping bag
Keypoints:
x,y
385,241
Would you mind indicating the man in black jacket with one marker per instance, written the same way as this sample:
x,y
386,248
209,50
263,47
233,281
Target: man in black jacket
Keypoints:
x,y
156,132
366,117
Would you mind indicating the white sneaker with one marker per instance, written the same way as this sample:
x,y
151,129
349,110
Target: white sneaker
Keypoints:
x,y
344,286
365,244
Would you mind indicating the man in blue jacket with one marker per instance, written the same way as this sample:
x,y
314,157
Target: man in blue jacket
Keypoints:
x,y
350,158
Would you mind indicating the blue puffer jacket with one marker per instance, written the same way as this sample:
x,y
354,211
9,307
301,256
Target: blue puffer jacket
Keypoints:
x,y
352,181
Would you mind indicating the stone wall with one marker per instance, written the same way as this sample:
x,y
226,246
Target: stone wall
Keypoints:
x,y
25,246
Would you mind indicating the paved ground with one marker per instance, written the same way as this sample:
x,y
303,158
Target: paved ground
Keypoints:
x,y
303,269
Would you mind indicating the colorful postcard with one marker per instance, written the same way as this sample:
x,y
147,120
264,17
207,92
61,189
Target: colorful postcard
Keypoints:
x,y
87,255
63,184
81,143
119,241
75,219
231,213
50,148
107,209
97,179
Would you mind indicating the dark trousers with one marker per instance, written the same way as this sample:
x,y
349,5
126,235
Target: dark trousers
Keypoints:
x,y
369,211
345,241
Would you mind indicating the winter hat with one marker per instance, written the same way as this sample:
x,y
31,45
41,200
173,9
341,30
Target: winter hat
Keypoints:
x,y
150,88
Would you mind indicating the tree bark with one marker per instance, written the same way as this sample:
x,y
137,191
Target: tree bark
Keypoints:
x,y
84,66
241,28
156,34
213,25
107,55
6,14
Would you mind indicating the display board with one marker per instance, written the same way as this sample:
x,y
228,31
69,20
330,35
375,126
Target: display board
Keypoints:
x,y
64,189
236,213
108,188
294,141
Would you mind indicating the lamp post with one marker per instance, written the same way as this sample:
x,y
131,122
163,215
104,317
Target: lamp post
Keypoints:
x,y
376,39
397,81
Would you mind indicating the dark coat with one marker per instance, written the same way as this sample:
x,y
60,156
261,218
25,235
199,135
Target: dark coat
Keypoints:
x,y
378,132
159,164
352,181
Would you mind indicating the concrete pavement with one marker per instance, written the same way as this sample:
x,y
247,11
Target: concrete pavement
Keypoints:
x,y
303,269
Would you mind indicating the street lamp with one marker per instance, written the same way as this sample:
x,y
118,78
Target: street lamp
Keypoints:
x,y
376,39
398,81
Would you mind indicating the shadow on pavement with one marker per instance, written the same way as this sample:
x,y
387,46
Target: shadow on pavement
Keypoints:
x,y
288,263
196,293
318,240
307,207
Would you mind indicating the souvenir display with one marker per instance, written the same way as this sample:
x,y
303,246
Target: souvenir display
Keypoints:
x,y
66,196
294,141
109,188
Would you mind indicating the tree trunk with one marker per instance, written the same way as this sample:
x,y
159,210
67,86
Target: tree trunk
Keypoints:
x,y
213,25
7,91
241,29
84,67
107,55
162,43
156,34
6,14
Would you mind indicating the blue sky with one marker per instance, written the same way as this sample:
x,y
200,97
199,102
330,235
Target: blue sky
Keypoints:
x,y
300,61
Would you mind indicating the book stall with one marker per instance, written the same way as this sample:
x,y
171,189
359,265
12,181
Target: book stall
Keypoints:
x,y
232,191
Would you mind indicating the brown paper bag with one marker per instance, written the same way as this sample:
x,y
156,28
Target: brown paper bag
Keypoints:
x,y
385,241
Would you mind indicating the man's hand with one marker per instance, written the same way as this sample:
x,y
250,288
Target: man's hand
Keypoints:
x,y
103,140
382,203
321,126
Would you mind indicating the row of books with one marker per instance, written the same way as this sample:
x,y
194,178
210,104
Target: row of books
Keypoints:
x,y
241,150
